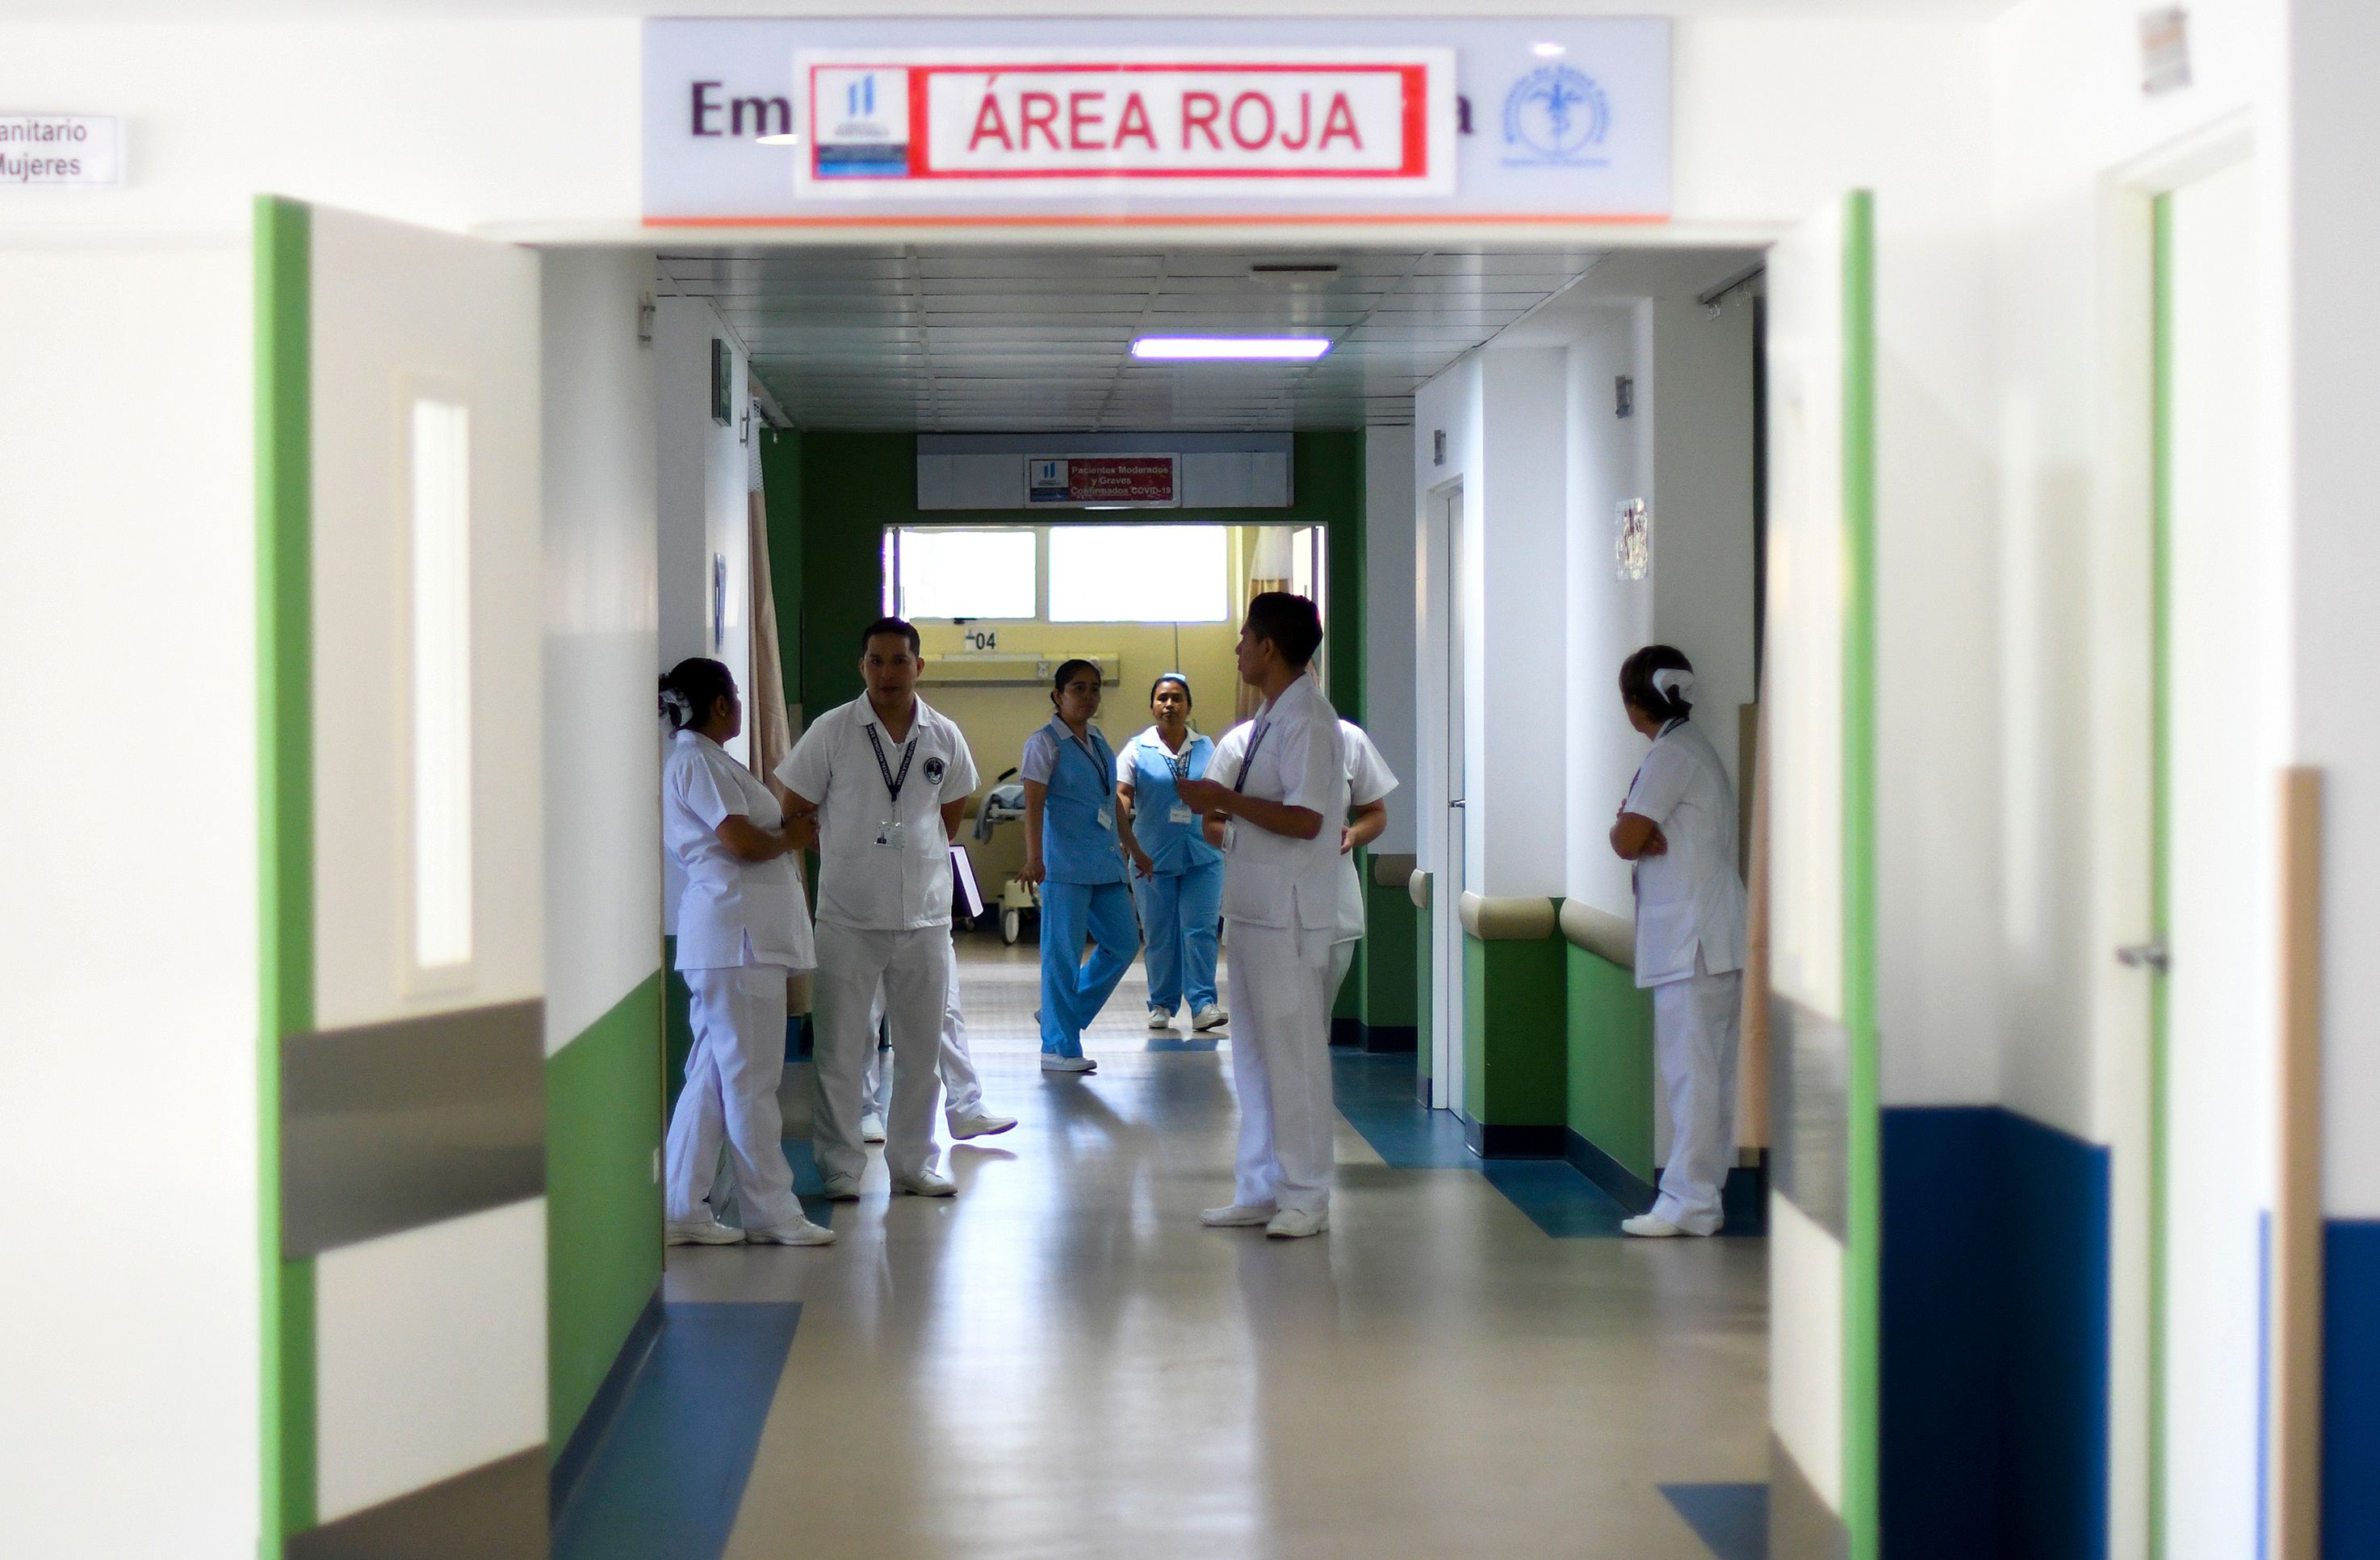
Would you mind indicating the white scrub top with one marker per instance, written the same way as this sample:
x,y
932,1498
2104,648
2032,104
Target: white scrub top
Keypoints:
x,y
904,882
1690,897
733,912
1369,779
1298,759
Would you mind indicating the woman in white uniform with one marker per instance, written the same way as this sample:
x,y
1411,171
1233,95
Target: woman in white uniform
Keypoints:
x,y
1678,826
742,929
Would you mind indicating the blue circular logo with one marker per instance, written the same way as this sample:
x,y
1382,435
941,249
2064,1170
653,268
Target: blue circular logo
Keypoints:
x,y
934,772
1556,112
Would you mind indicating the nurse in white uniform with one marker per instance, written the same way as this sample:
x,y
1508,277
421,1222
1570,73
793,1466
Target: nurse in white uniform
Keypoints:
x,y
1678,825
1370,780
742,929
1282,809
889,779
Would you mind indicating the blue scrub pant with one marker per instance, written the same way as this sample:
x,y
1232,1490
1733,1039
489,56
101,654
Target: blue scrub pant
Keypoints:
x,y
1073,989
1178,911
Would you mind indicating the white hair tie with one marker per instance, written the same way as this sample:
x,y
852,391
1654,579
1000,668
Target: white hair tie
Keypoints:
x,y
1673,683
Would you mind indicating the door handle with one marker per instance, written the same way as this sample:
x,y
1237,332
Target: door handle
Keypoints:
x,y
2151,955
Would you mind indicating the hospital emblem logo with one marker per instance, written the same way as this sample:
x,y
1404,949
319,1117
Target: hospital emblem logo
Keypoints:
x,y
1555,116
935,769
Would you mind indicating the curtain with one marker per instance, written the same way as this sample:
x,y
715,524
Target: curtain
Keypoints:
x,y
770,734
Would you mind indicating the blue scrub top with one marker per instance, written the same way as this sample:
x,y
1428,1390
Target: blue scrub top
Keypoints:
x,y
1075,849
1175,847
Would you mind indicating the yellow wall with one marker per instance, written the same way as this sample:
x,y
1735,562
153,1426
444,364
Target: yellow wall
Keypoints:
x,y
998,718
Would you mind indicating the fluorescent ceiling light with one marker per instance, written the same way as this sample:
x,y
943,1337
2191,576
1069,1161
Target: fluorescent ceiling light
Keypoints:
x,y
1234,349
1547,50
778,140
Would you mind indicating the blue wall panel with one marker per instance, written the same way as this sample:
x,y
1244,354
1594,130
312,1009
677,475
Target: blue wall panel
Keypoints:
x,y
2350,1390
1995,1336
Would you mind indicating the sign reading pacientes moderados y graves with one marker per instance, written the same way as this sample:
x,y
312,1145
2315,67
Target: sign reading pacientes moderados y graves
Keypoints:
x,y
843,123
61,149
1084,479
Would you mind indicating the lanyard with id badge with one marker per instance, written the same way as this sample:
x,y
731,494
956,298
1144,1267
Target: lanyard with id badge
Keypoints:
x,y
1240,781
1107,782
893,834
1180,765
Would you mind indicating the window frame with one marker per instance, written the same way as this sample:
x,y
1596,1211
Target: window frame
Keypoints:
x,y
893,583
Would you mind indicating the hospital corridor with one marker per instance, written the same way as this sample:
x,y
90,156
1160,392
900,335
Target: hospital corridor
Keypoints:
x,y
1346,781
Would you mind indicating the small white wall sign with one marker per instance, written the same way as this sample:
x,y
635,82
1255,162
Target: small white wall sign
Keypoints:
x,y
61,149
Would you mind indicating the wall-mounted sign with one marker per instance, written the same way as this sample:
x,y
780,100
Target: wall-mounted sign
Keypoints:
x,y
842,122
61,149
1026,122
1081,480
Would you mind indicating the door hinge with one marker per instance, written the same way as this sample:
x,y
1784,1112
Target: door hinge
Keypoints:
x,y
2151,955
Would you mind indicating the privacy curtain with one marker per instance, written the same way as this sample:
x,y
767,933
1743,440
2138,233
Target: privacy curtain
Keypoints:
x,y
772,733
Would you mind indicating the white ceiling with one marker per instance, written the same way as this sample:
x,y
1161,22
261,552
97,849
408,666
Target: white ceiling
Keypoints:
x,y
957,340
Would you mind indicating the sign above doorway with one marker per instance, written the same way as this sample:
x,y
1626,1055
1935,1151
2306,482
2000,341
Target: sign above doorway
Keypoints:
x,y
898,122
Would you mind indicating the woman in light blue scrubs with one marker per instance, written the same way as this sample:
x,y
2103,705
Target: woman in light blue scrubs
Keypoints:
x,y
1182,894
1077,843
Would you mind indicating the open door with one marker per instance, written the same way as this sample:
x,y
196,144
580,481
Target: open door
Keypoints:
x,y
1824,1198
402,1116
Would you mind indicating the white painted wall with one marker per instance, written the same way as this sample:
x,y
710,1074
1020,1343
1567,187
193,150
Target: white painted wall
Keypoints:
x,y
1607,616
703,482
1388,597
130,896
602,789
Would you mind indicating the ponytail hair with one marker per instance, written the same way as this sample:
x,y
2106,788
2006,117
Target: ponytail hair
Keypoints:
x,y
1657,679
691,688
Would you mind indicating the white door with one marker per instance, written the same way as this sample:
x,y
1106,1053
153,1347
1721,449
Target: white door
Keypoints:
x,y
1447,1072
400,621
1819,679
2215,887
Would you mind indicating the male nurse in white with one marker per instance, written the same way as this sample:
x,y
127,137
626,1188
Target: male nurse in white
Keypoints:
x,y
1282,811
889,779
1678,826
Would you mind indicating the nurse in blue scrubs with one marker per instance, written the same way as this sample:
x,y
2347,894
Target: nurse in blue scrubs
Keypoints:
x,y
1079,848
1182,894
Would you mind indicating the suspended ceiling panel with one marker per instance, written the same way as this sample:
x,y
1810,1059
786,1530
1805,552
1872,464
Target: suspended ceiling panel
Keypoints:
x,y
950,340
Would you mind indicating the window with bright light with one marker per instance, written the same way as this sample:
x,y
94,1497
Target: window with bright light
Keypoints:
x,y
439,537
941,573
1138,574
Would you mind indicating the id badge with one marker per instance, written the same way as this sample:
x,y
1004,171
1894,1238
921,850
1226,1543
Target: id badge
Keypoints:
x,y
1231,832
1106,819
1180,814
892,837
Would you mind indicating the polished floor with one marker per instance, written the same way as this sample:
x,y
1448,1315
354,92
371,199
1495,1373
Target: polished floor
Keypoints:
x,y
1062,1362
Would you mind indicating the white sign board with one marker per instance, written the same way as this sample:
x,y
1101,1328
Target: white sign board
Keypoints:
x,y
61,149
837,122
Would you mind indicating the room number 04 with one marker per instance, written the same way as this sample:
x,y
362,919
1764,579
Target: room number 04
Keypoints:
x,y
983,639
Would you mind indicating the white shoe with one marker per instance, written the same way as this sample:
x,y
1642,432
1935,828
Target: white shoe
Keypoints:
x,y
1052,1062
842,1189
1296,1223
871,1128
1209,1017
702,1232
980,1123
797,1231
1650,1228
1161,1017
925,1183
1239,1213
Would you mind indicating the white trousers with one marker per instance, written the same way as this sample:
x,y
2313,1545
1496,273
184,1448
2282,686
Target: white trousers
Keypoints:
x,y
732,1075
1342,960
962,1090
1280,1065
913,968
1696,1022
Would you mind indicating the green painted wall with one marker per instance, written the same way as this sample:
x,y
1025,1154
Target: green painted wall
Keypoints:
x,y
1387,987
1515,1030
602,1208
1610,1081
677,1035
853,485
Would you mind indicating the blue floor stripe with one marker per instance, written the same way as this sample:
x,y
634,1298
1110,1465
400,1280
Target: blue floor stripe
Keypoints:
x,y
1732,1518
1376,1094
666,1482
